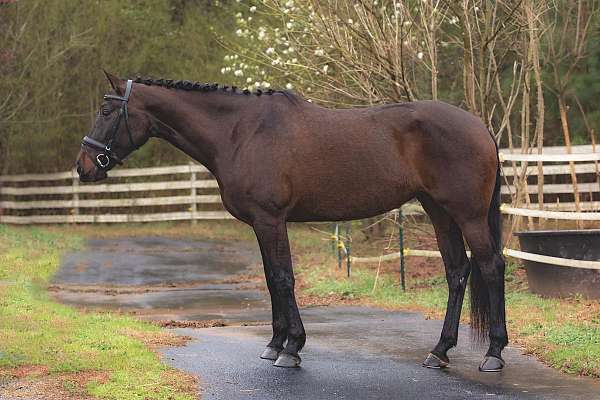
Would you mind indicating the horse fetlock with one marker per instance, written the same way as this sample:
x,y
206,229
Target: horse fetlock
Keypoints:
x,y
498,338
277,341
445,343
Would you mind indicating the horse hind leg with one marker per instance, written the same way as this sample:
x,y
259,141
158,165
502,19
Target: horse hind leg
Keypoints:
x,y
487,291
457,267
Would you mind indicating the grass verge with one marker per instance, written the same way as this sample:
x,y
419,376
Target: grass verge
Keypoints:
x,y
36,332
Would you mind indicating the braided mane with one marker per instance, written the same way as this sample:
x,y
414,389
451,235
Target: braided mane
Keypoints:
x,y
206,87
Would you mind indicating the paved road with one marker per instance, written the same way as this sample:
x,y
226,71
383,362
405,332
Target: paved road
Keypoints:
x,y
363,354
353,353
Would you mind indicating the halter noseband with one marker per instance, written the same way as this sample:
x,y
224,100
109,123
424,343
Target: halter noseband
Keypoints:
x,y
106,154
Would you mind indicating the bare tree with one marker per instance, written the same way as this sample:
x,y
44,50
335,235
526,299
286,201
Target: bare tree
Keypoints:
x,y
569,26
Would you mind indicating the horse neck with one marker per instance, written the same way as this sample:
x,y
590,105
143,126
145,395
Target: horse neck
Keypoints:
x,y
198,123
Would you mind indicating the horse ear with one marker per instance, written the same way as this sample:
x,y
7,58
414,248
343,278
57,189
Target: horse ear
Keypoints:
x,y
116,83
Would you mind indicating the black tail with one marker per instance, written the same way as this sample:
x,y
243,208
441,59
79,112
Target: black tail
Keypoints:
x,y
480,302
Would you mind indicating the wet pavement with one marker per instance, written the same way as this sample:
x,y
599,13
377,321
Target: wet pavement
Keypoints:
x,y
355,353
362,354
162,278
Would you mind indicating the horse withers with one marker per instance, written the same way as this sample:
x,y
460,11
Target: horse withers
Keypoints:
x,y
280,158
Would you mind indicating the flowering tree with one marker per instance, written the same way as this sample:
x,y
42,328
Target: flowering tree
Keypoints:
x,y
368,52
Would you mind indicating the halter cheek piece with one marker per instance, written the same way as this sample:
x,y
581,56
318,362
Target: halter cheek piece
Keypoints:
x,y
106,154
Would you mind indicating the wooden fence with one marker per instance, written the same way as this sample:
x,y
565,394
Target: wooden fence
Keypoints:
x,y
189,192
558,189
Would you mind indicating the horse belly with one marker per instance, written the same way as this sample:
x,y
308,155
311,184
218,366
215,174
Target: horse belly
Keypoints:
x,y
346,200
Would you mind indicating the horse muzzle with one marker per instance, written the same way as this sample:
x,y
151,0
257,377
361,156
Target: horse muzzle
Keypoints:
x,y
88,171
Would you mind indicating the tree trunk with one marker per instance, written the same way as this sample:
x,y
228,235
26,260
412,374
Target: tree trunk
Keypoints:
x,y
562,108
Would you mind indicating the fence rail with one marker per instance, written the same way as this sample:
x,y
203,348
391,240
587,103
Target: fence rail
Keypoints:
x,y
20,201
114,218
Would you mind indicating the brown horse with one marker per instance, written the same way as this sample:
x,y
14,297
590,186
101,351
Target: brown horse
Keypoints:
x,y
280,158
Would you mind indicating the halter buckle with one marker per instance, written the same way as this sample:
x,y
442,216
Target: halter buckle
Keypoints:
x,y
103,160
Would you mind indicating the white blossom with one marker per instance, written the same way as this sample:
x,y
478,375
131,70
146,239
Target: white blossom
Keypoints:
x,y
420,55
238,72
270,50
253,9
289,86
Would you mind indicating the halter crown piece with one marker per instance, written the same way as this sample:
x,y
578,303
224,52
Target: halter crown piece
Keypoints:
x,y
106,154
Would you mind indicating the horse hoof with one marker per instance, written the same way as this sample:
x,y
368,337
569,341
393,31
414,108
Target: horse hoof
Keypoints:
x,y
286,360
433,361
491,364
269,354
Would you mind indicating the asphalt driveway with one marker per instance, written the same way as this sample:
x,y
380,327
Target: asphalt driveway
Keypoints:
x,y
354,353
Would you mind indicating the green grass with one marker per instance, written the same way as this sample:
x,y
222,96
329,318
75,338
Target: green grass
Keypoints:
x,y
565,333
35,330
360,286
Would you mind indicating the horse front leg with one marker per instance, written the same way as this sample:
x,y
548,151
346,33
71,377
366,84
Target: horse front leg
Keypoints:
x,y
287,324
279,323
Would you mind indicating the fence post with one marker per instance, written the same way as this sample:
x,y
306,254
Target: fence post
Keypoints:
x,y
193,193
338,245
348,256
333,239
75,178
401,243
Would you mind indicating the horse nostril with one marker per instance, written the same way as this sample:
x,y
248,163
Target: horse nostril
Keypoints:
x,y
79,169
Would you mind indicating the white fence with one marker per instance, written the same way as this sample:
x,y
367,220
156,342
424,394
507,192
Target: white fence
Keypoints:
x,y
560,195
59,198
189,192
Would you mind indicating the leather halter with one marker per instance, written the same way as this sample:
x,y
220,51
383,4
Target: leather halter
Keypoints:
x,y
102,159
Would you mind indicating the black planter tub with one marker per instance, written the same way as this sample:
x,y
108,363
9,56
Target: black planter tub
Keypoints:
x,y
555,280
